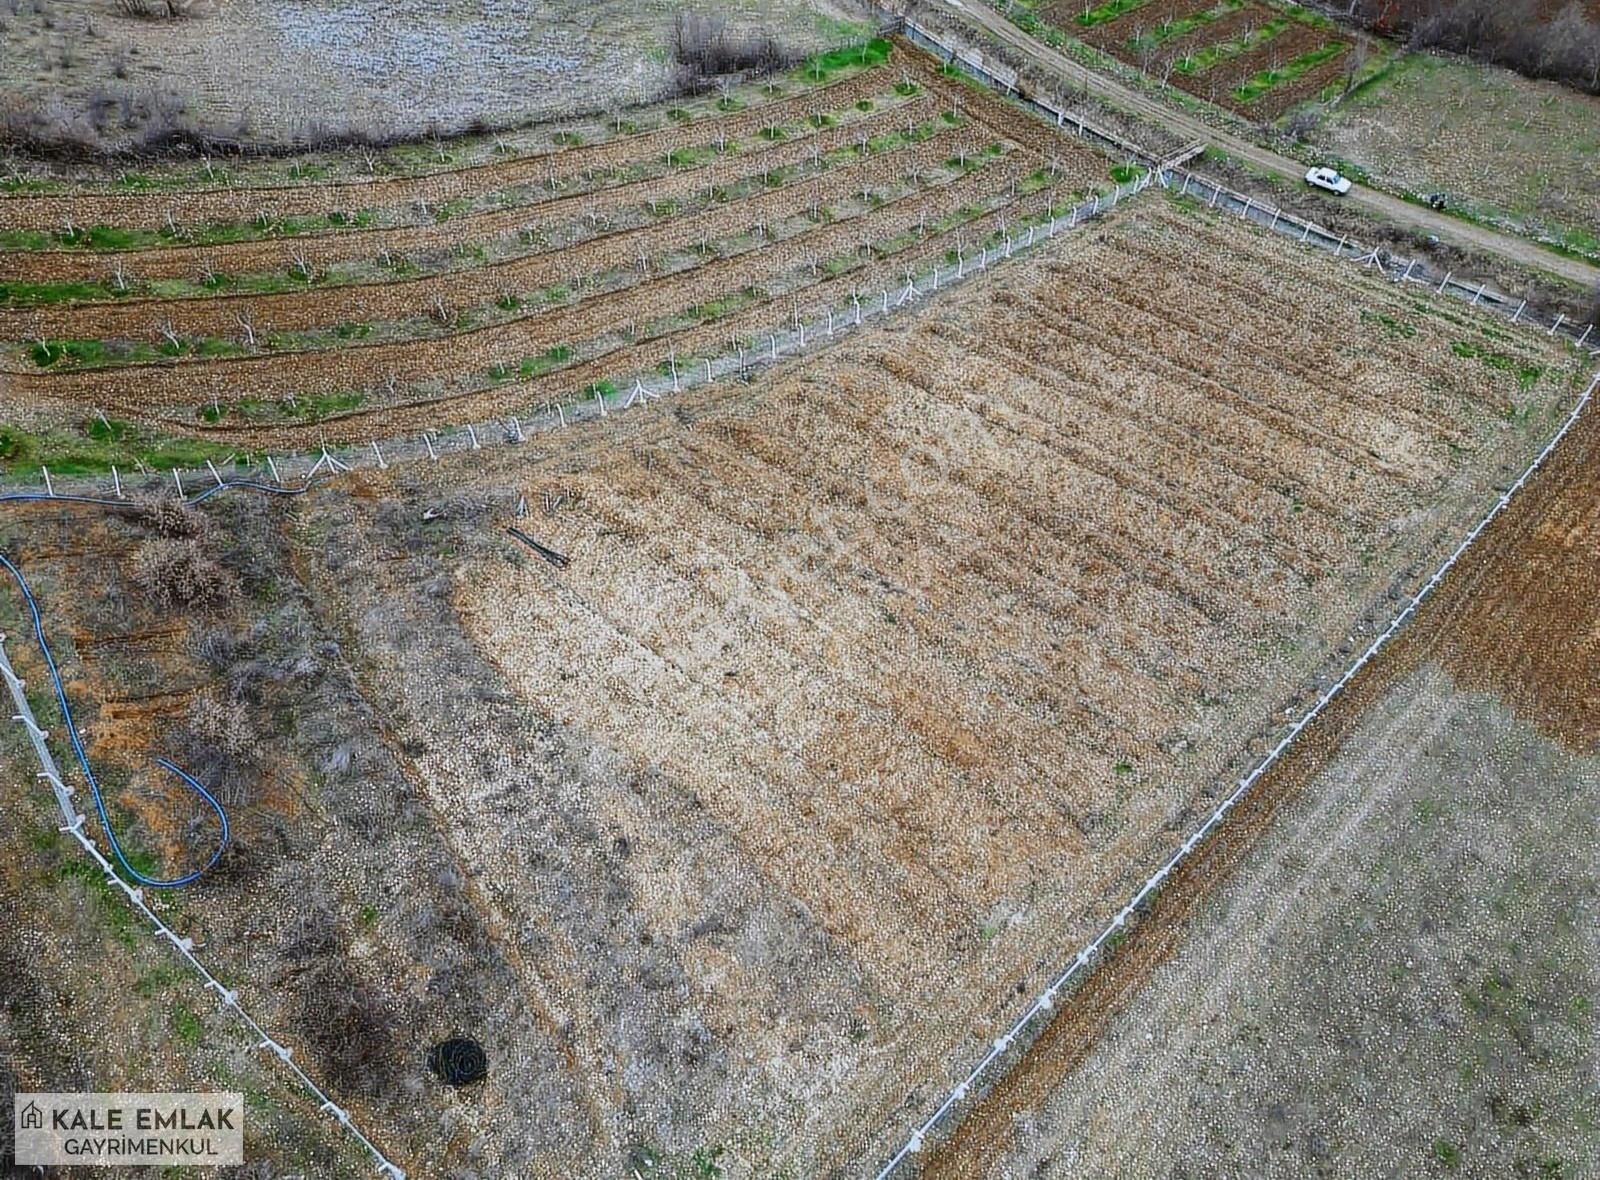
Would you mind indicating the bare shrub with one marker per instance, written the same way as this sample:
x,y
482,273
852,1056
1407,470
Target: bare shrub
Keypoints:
x,y
221,748
1303,124
169,516
314,934
1512,33
347,1026
224,724
156,9
706,47
176,571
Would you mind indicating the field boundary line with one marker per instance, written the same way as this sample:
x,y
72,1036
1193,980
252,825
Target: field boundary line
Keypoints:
x,y
228,998
1046,999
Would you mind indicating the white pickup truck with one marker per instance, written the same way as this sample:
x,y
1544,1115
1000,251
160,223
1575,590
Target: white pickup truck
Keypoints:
x,y
1327,178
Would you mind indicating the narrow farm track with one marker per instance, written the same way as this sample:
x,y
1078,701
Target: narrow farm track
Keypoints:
x,y
218,316
145,210
191,384
1392,209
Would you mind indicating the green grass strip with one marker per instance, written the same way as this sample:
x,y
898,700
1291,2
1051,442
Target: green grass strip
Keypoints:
x,y
1108,11
1306,62
869,53
1212,55
96,447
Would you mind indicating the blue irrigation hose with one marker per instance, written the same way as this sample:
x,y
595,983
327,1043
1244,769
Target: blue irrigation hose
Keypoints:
x,y
82,755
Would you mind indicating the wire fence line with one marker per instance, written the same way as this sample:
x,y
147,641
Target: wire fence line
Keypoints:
x,y
956,57
1046,999
800,330
73,822
1393,266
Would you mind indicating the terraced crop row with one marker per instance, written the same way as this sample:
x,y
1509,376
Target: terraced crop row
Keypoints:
x,y
312,305
410,229
190,384
1251,56
900,167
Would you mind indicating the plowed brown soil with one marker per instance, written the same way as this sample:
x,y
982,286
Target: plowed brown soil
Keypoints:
x,y
935,625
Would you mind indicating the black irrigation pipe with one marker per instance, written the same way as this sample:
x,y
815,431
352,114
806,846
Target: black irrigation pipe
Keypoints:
x,y
560,560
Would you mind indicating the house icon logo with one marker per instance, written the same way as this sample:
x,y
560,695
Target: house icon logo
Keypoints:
x,y
31,1118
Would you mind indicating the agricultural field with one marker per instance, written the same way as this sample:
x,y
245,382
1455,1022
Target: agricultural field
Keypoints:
x,y
1399,977
1253,57
1502,149
109,75
732,767
357,309
864,690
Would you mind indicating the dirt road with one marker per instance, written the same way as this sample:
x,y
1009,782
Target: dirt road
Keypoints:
x,y
1450,229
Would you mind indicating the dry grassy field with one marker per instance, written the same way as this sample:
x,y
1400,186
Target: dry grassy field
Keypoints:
x,y
119,75
1397,975
1501,148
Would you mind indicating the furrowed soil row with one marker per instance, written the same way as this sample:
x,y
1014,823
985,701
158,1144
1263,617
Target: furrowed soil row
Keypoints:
x,y
1120,448
222,206
1285,95
1146,324
372,302
1112,35
1279,51
188,261
1223,29
1119,38
1258,379
1163,568
1015,563
1391,311
363,367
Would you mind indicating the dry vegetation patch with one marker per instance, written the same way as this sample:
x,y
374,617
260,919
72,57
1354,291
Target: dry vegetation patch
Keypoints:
x,y
151,73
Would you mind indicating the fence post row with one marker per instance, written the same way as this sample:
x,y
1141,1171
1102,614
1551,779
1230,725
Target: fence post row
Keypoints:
x,y
1085,956
72,825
